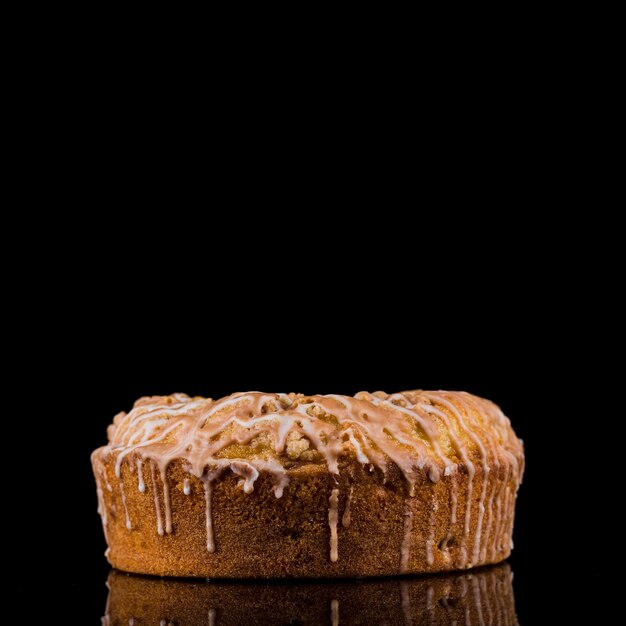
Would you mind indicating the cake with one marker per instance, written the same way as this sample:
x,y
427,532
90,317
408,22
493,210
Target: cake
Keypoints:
x,y
265,485
484,596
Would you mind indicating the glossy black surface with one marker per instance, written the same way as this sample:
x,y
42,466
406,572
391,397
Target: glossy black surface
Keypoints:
x,y
563,542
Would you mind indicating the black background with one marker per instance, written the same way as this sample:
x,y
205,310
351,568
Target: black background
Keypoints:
x,y
512,343
136,268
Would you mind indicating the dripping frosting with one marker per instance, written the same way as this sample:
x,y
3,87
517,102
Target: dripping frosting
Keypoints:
x,y
433,434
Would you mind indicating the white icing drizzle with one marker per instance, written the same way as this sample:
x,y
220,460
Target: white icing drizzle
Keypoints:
x,y
140,483
208,496
157,506
453,499
462,561
129,526
334,612
490,444
490,524
461,451
434,472
167,501
212,617
406,537
432,525
479,526
106,480
442,398
497,540
509,517
347,516
431,433
333,517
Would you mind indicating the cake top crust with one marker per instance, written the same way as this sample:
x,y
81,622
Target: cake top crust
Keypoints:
x,y
419,431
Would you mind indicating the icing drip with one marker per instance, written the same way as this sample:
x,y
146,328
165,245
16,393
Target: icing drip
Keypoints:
x,y
430,542
106,480
481,515
334,612
489,443
468,513
212,617
208,495
346,519
141,483
461,451
497,543
406,538
167,501
129,526
333,516
490,510
508,518
157,506
505,517
442,398
453,499
438,434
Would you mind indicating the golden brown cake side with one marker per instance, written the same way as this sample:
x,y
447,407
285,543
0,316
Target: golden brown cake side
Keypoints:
x,y
269,485
481,597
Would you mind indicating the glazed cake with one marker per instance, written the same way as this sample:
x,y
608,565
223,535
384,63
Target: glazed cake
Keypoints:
x,y
286,485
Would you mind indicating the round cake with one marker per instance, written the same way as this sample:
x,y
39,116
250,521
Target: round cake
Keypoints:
x,y
265,485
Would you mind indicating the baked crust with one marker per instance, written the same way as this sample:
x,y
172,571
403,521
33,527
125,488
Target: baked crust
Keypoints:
x,y
362,519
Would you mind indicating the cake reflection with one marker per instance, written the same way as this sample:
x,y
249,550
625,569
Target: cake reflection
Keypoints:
x,y
483,596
